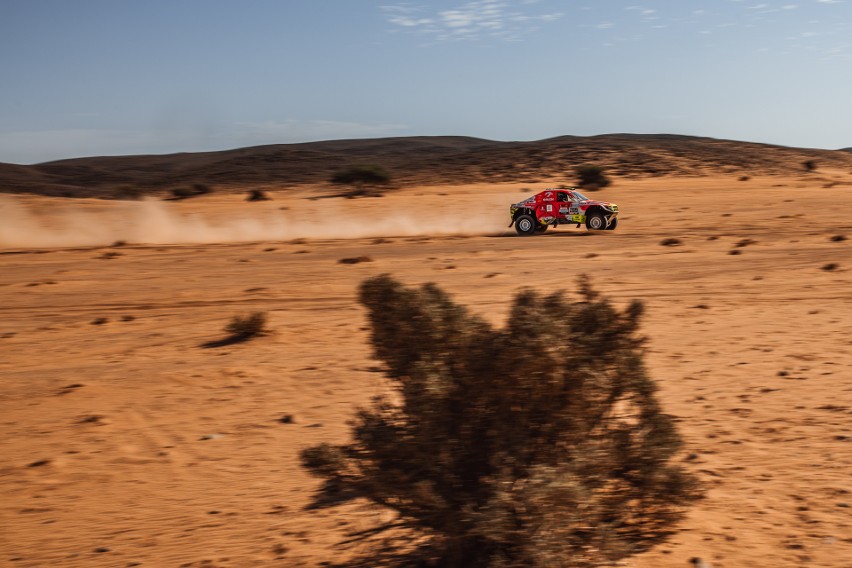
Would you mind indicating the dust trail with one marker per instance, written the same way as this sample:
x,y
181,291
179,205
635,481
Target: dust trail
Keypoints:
x,y
155,222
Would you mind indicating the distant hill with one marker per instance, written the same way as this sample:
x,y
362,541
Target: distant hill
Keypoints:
x,y
412,161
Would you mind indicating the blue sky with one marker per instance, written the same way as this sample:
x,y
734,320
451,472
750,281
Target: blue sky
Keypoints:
x,y
112,77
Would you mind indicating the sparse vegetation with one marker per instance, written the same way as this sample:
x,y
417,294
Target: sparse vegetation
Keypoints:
x,y
355,260
242,328
591,177
128,193
182,193
671,242
364,180
810,165
194,191
530,445
257,195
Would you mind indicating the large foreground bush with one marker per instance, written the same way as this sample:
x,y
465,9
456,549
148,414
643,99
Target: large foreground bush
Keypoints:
x,y
539,444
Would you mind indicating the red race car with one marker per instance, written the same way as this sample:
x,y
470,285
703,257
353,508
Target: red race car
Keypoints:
x,y
553,207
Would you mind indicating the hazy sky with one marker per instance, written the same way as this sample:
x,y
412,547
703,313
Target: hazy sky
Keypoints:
x,y
105,77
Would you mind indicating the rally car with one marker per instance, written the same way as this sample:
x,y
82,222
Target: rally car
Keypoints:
x,y
553,207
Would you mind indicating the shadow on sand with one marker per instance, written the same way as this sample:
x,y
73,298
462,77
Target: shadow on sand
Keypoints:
x,y
513,235
230,340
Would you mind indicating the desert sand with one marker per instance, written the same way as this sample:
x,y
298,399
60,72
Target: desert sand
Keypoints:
x,y
124,441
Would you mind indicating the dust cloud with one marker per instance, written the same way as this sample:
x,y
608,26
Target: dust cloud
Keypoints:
x,y
155,222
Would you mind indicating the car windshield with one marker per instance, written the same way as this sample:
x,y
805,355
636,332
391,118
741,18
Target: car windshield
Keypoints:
x,y
580,196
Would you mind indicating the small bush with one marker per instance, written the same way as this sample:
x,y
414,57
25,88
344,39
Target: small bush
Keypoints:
x,y
538,444
591,177
809,165
257,195
355,260
182,193
246,327
364,174
194,191
364,178
671,242
128,193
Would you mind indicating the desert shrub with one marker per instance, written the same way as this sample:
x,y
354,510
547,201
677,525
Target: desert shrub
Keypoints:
x,y
355,260
194,191
257,195
248,326
591,177
809,165
128,193
364,179
538,444
182,192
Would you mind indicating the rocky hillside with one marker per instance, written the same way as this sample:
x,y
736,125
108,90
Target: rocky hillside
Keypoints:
x,y
410,161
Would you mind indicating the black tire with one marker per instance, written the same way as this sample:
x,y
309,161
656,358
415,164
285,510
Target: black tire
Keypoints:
x,y
613,223
596,221
540,228
525,225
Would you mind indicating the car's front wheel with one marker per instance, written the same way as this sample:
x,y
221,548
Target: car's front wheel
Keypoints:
x,y
540,228
525,225
613,223
596,222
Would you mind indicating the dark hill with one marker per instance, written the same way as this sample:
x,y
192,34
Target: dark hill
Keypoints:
x,y
412,160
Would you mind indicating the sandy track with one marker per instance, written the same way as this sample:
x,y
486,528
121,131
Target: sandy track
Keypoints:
x,y
128,437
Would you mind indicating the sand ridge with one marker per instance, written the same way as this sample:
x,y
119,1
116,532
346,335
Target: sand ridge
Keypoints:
x,y
413,161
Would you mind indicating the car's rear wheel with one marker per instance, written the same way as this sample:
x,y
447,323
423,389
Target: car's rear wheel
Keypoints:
x,y
596,222
525,225
613,223
540,228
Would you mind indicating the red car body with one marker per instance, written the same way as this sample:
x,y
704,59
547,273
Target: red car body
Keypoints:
x,y
553,207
